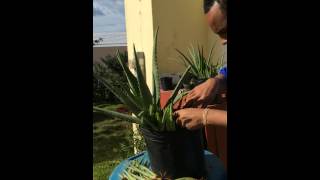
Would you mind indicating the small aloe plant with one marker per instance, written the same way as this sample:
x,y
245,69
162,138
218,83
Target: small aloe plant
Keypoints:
x,y
139,99
201,67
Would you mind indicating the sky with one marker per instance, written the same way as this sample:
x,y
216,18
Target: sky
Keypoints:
x,y
108,16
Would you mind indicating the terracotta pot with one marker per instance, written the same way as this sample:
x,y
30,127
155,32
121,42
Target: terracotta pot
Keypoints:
x,y
164,97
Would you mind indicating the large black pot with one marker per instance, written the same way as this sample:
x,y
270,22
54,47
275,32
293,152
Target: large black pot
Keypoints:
x,y
176,154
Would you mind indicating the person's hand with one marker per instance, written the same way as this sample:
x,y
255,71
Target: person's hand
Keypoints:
x,y
203,94
190,118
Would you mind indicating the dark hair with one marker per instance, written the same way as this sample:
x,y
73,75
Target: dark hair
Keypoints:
x,y
223,5
207,4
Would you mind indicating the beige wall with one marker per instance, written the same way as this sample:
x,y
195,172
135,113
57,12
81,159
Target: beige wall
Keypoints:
x,y
181,23
100,52
140,30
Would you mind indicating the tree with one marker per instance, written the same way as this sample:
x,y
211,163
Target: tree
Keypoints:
x,y
108,66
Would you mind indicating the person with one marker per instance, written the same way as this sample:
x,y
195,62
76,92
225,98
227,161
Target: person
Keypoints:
x,y
204,94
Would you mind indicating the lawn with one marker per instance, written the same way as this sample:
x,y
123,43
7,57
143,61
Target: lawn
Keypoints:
x,y
112,143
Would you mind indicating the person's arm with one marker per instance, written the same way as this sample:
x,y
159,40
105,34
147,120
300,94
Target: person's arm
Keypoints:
x,y
193,118
216,117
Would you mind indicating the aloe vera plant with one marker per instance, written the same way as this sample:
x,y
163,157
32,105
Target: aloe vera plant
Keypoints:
x,y
139,99
137,170
201,67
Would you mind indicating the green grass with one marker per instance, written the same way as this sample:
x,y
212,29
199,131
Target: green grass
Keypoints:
x,y
112,143
103,169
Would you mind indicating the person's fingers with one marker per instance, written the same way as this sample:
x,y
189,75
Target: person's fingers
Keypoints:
x,y
183,123
177,105
189,104
189,126
191,92
190,96
178,118
204,103
176,114
198,104
183,102
179,123
186,121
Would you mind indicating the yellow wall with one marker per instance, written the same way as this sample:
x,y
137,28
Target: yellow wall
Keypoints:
x,y
181,23
139,27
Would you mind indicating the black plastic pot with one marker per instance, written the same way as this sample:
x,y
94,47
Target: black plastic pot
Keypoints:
x,y
176,154
197,82
166,83
193,83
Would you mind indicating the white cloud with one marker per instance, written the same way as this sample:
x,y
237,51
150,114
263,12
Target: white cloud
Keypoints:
x,y
108,16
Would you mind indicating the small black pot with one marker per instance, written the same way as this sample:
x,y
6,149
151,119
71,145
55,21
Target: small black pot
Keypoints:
x,y
193,83
166,83
176,154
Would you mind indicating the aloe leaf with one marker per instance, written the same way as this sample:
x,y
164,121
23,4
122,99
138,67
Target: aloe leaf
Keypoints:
x,y
194,58
124,98
121,116
132,81
147,121
179,96
164,119
168,119
210,55
176,89
143,87
155,72
193,67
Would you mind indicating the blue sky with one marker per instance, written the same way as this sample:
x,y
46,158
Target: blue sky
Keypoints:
x,y
108,16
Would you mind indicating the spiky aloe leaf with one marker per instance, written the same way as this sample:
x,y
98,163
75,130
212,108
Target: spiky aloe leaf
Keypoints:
x,y
156,104
176,89
190,62
121,116
194,58
179,96
125,98
153,115
147,121
168,119
143,87
201,68
132,81
164,119
210,55
156,84
200,61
